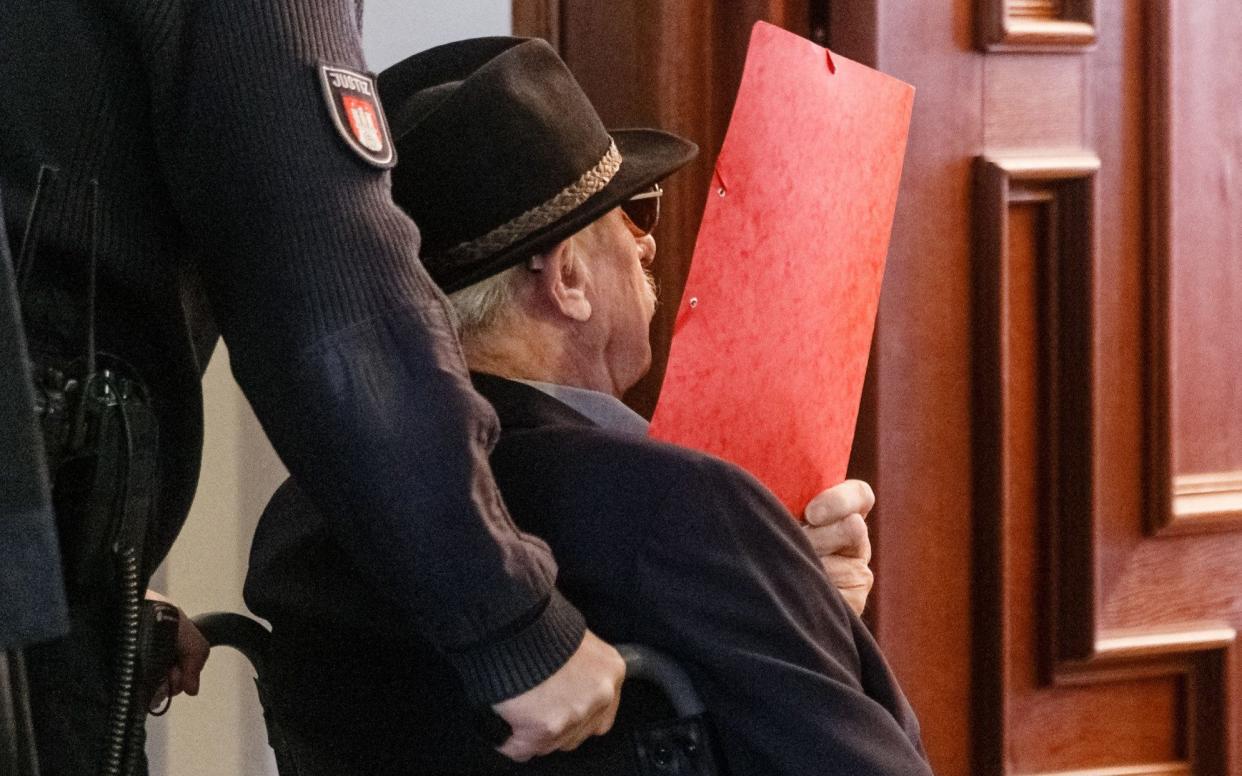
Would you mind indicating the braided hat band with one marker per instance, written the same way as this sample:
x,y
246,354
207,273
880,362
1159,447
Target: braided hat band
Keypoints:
x,y
565,201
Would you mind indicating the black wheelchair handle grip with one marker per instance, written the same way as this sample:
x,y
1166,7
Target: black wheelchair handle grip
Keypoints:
x,y
242,633
651,665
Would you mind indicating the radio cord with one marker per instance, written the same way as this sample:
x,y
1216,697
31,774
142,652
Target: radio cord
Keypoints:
x,y
119,757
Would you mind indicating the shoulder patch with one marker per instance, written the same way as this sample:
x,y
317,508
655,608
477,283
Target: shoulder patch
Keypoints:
x,y
353,102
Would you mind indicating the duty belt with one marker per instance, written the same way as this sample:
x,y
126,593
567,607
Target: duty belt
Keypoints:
x,y
101,440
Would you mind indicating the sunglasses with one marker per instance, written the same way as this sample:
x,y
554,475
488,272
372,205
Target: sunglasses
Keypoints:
x,y
642,211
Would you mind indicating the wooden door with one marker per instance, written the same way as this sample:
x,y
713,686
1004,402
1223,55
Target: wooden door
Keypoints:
x,y
1053,416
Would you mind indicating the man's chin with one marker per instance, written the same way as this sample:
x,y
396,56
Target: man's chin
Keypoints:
x,y
646,367
638,375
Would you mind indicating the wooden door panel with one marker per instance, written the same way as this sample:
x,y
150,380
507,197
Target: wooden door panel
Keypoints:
x,y
1047,25
1205,272
1053,413
1167,649
1195,285
1070,680
1033,101
1070,727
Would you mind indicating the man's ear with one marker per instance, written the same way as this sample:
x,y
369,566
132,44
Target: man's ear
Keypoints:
x,y
563,281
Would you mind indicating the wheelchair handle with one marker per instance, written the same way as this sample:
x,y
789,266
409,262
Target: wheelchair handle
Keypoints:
x,y
244,634
250,637
652,665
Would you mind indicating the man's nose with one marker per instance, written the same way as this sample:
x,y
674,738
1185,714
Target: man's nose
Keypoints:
x,y
647,250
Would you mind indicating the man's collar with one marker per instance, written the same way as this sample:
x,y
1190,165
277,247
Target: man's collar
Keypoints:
x,y
603,409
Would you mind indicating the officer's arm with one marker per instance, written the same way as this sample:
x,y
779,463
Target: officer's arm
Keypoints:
x,y
336,335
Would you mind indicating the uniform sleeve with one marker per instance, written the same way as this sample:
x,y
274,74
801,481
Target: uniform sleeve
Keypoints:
x,y
791,678
335,333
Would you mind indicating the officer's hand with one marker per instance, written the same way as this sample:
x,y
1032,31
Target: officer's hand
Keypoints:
x,y
192,652
835,524
578,701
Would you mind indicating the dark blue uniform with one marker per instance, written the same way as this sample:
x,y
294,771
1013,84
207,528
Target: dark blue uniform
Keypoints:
x,y
228,197
32,598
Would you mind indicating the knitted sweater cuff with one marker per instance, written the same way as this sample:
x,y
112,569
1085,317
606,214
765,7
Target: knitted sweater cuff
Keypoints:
x,y
498,670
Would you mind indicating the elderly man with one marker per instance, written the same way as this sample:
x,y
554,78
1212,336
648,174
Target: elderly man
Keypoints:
x,y
536,221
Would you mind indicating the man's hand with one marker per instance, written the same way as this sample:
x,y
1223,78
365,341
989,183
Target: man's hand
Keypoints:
x,y
192,652
578,701
835,524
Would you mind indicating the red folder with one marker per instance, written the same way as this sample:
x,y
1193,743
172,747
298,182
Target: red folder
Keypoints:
x,y
770,345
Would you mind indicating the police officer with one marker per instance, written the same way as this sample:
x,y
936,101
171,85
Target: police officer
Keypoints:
x,y
170,167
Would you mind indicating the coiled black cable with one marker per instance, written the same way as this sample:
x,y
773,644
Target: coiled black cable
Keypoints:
x,y
121,715
136,730
121,751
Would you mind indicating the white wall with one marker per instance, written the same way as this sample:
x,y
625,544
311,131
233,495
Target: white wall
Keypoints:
x,y
220,733
394,29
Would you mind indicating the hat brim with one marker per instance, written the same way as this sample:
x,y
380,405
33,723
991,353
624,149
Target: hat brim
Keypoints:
x,y
647,156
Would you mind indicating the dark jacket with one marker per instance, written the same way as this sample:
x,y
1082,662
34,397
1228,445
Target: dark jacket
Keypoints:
x,y
32,596
227,197
657,545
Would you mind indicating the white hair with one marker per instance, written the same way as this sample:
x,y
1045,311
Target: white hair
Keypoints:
x,y
481,306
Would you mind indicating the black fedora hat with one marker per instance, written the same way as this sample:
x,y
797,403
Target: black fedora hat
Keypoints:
x,y
503,156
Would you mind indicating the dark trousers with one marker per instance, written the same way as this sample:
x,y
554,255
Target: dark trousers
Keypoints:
x,y
71,689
